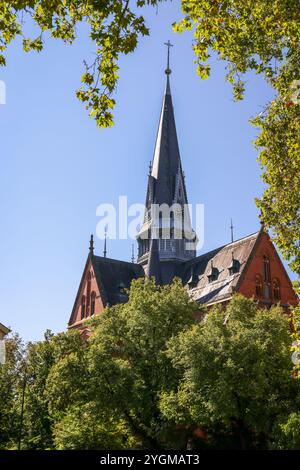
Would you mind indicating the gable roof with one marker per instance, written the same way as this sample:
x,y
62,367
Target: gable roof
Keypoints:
x,y
113,276
198,269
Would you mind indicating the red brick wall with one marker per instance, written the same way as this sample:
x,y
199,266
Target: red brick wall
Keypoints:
x,y
99,306
247,287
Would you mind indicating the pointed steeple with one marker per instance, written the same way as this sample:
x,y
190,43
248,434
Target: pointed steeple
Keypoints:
x,y
166,166
166,190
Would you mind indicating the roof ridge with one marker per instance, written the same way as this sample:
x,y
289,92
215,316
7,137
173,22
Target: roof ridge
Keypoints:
x,y
114,260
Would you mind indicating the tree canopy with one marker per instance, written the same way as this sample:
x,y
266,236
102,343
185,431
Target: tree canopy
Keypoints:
x,y
156,372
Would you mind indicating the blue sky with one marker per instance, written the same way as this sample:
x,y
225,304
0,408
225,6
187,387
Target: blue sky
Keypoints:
x,y
57,166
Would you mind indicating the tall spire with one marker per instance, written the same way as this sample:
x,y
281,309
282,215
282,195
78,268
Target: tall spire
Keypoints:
x,y
166,165
166,188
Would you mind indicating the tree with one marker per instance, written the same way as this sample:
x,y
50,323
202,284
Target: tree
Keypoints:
x,y
118,376
10,374
84,428
236,374
38,359
153,375
288,433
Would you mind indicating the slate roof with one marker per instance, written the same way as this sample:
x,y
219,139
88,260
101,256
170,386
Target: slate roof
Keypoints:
x,y
166,165
113,276
196,271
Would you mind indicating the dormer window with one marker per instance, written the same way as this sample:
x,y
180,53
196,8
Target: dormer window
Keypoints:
x,y
193,280
213,274
235,265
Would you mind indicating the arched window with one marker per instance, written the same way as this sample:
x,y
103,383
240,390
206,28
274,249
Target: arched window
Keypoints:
x,y
88,293
83,307
276,290
93,301
258,286
267,276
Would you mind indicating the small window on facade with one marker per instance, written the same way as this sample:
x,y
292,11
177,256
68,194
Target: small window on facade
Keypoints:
x,y
93,301
83,307
234,267
276,290
266,263
266,291
193,280
258,286
213,274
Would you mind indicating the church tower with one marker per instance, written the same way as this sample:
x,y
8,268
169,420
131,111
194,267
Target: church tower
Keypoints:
x,y
166,238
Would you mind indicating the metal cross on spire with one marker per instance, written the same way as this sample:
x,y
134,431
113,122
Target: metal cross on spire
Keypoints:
x,y
168,70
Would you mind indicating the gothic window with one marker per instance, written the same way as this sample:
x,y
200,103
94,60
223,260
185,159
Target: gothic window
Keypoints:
x,y
266,291
258,286
266,263
83,307
276,290
88,293
93,301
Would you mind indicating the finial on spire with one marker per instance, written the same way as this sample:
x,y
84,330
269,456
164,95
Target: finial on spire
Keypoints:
x,y
132,253
231,229
105,238
168,70
92,245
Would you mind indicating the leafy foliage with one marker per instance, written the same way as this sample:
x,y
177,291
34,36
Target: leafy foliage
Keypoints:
x,y
9,391
155,375
114,28
236,373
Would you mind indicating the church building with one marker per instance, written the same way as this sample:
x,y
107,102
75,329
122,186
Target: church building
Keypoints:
x,y
250,265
